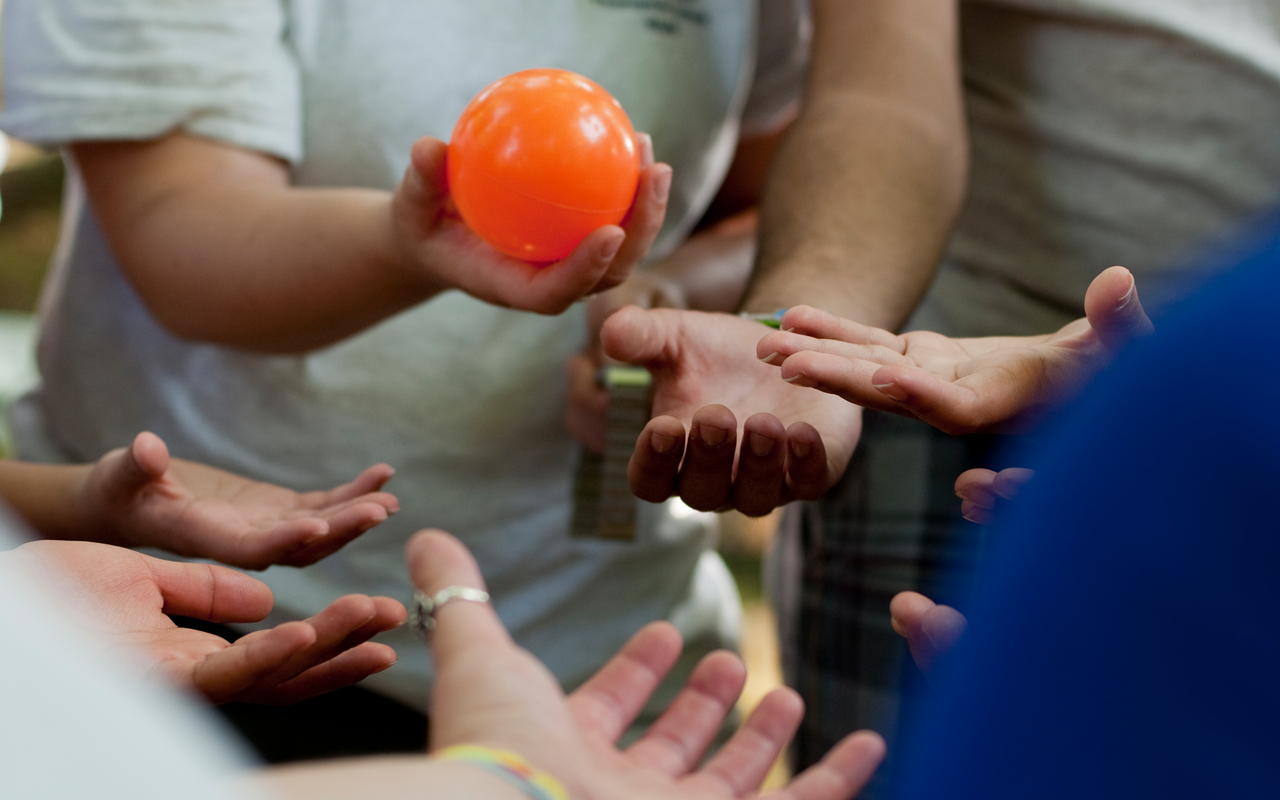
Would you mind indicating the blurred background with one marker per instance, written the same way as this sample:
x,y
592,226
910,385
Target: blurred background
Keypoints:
x,y
31,193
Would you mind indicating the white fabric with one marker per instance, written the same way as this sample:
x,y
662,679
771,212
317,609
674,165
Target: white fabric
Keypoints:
x,y
75,722
464,399
1104,132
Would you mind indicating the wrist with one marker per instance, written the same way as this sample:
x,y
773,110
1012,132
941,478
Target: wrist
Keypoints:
x,y
396,250
507,766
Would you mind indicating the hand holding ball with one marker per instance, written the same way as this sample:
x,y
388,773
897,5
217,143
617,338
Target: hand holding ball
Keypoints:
x,y
540,159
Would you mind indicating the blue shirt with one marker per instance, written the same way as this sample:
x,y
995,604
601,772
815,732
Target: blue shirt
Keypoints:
x,y
1126,641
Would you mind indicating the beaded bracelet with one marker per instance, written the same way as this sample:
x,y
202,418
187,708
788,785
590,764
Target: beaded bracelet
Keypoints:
x,y
509,766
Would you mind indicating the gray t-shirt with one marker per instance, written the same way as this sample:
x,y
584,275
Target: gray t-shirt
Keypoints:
x,y
1104,132
466,400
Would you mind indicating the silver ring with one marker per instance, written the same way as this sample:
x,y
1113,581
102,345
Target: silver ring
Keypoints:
x,y
422,611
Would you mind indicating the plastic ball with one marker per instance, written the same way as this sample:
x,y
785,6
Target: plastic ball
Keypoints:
x,y
540,159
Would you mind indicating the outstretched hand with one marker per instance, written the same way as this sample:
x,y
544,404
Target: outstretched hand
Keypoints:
x,y
931,630
128,597
489,692
795,443
994,384
708,272
431,235
138,496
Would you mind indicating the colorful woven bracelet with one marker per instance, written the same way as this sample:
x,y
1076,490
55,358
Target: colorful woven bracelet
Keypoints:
x,y
773,319
509,766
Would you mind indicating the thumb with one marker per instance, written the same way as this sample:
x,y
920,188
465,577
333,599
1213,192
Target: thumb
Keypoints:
x,y
209,591
635,336
149,456
126,470
438,561
1114,310
426,185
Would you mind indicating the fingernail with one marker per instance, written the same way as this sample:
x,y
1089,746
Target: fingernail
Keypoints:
x,y
891,390
610,248
712,436
662,185
760,445
773,359
1128,296
794,378
661,443
800,449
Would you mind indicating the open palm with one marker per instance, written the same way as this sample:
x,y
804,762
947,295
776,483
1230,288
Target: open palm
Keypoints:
x,y
141,497
958,385
794,443
490,692
128,598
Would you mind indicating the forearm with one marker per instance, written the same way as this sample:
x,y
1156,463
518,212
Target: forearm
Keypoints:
x,y
387,778
48,497
709,272
864,190
223,249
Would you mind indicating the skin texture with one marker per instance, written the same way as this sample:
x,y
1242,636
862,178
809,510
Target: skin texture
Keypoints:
x,y
489,692
128,597
708,272
992,384
866,185
931,630
860,198
223,249
981,491
138,496
797,441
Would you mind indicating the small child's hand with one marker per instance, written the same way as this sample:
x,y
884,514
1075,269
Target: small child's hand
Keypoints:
x,y
144,498
127,597
435,243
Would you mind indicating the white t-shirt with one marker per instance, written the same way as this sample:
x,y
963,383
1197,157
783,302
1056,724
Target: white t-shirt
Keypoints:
x,y
77,722
465,400
1104,132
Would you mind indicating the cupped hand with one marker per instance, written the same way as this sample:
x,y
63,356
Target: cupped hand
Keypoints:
x,y
981,489
795,443
489,692
587,402
128,597
707,272
435,242
992,384
931,630
144,498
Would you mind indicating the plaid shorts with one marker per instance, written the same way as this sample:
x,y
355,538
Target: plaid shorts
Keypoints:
x,y
892,524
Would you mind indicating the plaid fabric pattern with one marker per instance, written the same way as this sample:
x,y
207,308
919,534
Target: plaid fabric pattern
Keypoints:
x,y
892,524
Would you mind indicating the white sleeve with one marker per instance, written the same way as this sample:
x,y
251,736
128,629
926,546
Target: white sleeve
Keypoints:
x,y
77,721
77,70
782,60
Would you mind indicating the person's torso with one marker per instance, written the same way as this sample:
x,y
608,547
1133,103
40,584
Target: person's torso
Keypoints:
x,y
1104,132
466,400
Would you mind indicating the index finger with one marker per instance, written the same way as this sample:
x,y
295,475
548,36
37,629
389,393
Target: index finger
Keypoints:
x,y
438,561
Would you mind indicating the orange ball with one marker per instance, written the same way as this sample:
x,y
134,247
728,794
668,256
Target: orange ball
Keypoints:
x,y
540,159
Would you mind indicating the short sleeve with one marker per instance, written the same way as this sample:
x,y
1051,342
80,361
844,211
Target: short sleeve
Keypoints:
x,y
782,60
77,70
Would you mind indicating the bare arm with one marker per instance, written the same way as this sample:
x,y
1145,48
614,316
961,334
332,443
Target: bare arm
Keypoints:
x,y
137,496
223,249
864,190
